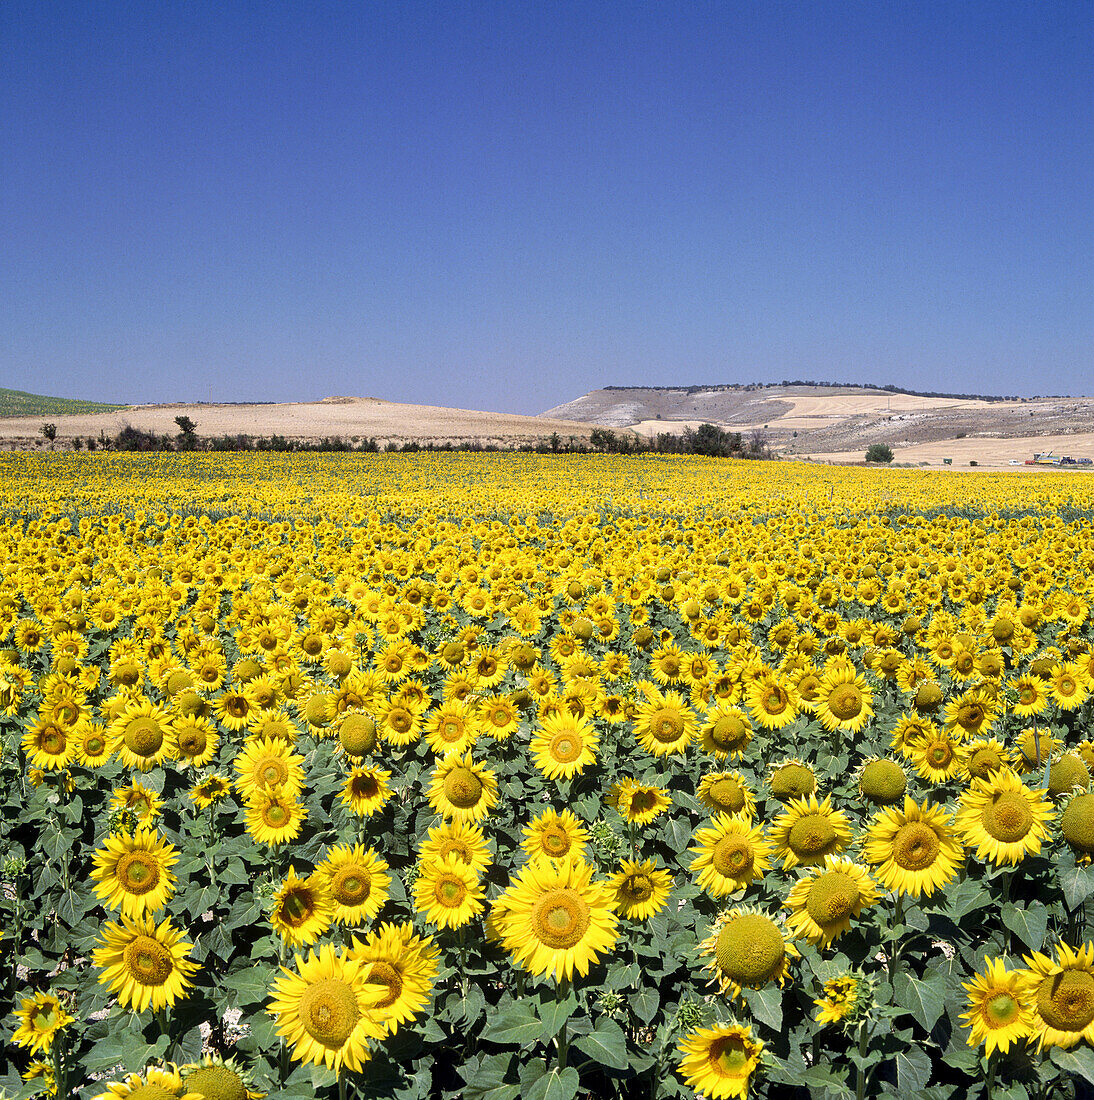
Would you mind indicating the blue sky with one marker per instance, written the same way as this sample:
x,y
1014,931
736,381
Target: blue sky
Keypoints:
x,y
503,206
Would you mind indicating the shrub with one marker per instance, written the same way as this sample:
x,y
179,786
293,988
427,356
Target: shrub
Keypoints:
x,y
879,452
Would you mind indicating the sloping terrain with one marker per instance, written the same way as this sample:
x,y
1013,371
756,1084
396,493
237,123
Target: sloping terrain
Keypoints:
x,y
19,403
352,418
839,423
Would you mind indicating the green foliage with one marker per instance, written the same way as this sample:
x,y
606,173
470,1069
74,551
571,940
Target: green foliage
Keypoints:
x,y
18,403
879,452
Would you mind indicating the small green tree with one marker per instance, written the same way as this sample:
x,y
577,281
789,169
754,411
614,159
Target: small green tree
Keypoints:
x,y
187,438
879,452
49,431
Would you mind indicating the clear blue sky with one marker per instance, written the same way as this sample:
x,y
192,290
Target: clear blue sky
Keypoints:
x,y
505,205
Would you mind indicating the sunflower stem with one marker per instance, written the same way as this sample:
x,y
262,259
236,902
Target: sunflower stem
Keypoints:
x,y
989,1085
341,1086
861,1073
562,1040
60,1068
896,937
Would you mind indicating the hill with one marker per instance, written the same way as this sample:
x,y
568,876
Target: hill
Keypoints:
x,y
838,423
19,403
351,418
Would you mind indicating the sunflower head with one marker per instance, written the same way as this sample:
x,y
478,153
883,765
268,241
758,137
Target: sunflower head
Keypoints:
x,y
747,949
792,779
882,782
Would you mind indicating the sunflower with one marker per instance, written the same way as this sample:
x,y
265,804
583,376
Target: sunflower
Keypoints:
x,y
915,849
145,964
554,919
845,999
133,872
500,717
155,1083
1077,826
1068,772
1032,696
939,758
197,740
211,790
999,1008
452,727
267,766
973,712
142,735
729,854
747,949
844,700
1062,996
772,703
367,790
881,781
808,831
824,900
726,732
985,756
459,838
1003,818
216,1078
146,804
641,889
1034,747
555,835
301,910
664,724
275,818
399,970
791,779
461,790
564,746
92,746
322,1010
718,1061
447,892
356,881
40,1018
638,803
1068,686
49,745
727,793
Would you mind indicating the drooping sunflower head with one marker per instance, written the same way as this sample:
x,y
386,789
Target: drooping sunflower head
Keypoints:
x,y
823,902
791,779
747,949
726,793
845,999
1077,826
726,732
882,781
357,733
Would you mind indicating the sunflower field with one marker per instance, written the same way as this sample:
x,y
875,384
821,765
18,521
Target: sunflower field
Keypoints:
x,y
499,776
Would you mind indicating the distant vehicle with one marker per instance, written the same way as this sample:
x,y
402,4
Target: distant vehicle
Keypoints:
x,y
1015,462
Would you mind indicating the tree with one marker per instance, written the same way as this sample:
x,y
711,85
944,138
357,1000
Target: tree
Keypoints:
x,y
879,452
49,431
187,433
